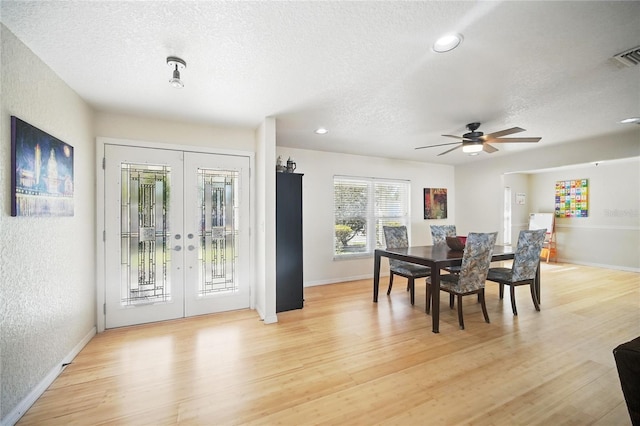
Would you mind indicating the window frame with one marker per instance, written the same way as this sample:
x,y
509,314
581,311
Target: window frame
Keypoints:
x,y
375,218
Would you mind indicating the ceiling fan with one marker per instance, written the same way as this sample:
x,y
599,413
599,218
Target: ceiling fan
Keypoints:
x,y
475,141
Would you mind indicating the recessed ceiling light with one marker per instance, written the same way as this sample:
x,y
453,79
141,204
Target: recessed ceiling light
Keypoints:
x,y
473,154
635,120
321,131
447,43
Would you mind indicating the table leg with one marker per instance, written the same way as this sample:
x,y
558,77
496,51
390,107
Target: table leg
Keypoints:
x,y
435,298
376,276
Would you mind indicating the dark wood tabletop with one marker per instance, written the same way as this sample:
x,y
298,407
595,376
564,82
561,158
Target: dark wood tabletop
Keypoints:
x,y
440,254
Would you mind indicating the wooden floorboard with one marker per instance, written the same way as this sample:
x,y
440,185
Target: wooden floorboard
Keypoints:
x,y
343,359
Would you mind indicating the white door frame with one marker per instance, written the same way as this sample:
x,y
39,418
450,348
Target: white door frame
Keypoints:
x,y
100,211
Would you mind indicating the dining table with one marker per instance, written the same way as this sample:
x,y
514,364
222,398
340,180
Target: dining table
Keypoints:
x,y
437,257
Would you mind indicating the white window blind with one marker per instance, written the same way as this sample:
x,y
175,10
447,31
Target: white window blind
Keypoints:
x,y
362,206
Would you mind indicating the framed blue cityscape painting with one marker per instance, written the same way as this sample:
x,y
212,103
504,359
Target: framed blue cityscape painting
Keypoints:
x,y
42,177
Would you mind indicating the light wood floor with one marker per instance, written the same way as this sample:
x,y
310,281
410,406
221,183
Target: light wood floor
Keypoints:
x,y
345,360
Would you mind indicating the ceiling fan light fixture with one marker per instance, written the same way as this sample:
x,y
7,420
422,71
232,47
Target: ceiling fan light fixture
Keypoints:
x,y
472,147
475,141
447,43
177,64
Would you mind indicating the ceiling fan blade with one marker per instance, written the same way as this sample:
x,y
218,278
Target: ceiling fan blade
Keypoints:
x,y
454,136
441,144
488,148
511,140
449,150
504,132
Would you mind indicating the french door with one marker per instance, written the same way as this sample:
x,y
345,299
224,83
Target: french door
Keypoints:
x,y
176,234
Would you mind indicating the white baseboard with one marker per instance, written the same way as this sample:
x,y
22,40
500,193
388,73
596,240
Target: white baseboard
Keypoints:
x,y
22,407
271,319
341,280
267,319
599,265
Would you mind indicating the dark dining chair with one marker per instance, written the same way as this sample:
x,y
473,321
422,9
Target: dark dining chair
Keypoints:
x,y
397,237
439,233
473,273
524,268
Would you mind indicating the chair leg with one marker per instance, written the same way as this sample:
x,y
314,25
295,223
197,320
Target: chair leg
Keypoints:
x,y
450,301
460,312
501,291
484,306
428,299
512,289
390,283
412,290
534,297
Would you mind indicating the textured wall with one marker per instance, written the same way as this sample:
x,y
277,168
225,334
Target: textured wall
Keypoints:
x,y
47,286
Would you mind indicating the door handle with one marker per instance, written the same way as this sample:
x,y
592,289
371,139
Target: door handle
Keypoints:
x,y
191,247
177,248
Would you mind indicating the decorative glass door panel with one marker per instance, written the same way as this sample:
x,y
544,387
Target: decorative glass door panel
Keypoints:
x,y
176,234
145,233
218,233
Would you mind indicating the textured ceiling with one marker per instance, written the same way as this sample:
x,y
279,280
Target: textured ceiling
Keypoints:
x,y
364,70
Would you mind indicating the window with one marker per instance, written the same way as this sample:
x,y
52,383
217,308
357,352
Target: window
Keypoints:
x,y
361,207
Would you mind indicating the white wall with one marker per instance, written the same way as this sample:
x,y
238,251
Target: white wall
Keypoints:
x,y
610,236
319,169
480,186
47,288
265,296
519,183
149,129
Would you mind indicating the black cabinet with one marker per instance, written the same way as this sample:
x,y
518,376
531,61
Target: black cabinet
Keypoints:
x,y
289,277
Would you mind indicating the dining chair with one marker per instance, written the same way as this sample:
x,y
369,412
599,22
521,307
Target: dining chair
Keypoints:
x,y
397,237
523,270
439,234
473,273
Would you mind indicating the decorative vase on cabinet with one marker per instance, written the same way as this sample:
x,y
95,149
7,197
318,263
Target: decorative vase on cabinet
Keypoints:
x,y
289,272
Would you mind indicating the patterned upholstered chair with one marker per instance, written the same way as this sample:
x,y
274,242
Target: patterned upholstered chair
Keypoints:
x,y
473,273
396,237
524,268
439,233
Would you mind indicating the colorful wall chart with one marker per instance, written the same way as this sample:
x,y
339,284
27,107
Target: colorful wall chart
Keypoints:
x,y
572,198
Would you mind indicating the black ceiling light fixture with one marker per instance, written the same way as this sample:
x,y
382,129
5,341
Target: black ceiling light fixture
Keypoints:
x,y
177,64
